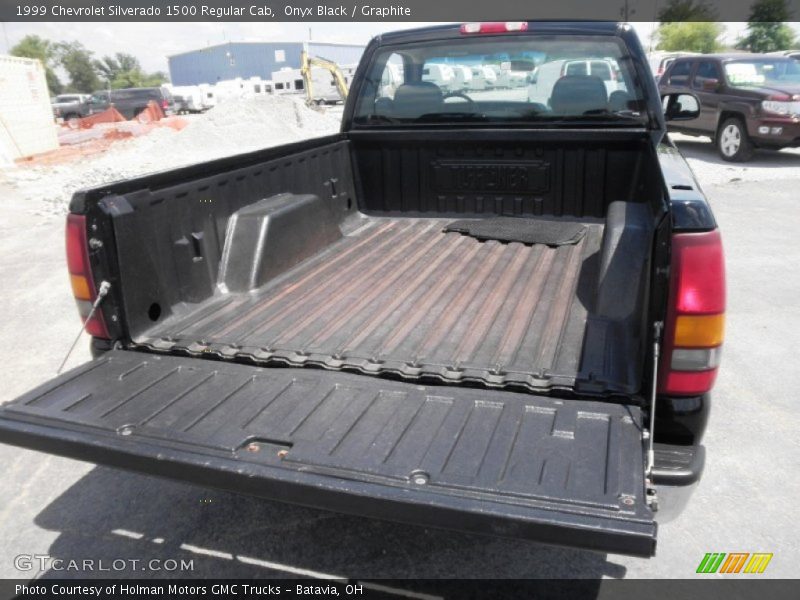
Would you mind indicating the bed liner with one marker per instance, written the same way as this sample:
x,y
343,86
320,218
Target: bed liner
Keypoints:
x,y
403,296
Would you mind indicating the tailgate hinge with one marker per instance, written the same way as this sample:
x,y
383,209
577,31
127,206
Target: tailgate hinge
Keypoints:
x,y
650,490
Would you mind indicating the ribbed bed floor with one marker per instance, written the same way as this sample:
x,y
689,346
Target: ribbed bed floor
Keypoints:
x,y
402,296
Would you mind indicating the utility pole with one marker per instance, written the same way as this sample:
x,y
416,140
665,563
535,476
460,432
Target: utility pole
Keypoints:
x,y
626,11
653,27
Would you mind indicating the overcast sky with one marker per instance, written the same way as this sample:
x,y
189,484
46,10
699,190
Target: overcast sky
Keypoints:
x,y
151,43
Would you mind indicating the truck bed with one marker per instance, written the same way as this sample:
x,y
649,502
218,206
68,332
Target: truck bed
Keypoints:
x,y
404,296
298,256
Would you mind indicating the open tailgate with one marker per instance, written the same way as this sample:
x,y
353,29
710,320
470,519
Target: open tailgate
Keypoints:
x,y
566,472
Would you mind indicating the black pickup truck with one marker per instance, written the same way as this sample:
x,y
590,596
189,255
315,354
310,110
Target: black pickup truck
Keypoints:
x,y
466,310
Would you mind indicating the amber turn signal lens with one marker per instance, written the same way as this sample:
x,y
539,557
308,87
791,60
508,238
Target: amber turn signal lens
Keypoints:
x,y
80,287
693,331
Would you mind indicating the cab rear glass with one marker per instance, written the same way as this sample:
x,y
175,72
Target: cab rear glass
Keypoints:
x,y
501,79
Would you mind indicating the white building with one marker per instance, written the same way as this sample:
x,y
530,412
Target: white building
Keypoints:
x,y
26,117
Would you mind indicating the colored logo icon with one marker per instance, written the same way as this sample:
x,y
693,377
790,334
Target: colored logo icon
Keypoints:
x,y
734,562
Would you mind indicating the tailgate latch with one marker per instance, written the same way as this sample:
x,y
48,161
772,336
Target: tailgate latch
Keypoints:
x,y
101,293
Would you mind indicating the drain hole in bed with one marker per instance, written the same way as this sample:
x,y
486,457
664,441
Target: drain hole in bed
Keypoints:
x,y
154,312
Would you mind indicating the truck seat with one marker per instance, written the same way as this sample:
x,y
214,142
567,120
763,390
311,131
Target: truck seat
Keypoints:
x,y
577,94
415,99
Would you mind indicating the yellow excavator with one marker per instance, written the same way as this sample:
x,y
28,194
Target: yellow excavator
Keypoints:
x,y
308,62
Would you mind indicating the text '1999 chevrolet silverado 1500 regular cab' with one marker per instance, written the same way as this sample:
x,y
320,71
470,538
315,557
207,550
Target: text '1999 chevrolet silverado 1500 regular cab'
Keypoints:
x,y
466,310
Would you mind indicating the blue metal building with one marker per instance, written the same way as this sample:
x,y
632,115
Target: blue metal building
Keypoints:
x,y
251,59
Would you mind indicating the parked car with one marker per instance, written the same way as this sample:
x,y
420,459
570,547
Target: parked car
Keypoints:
x,y
543,78
131,101
505,319
747,101
71,106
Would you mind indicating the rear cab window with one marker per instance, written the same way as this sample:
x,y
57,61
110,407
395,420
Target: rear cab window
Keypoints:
x,y
575,69
554,78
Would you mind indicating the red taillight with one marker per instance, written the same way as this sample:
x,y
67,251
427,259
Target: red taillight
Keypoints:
x,y
699,278
164,104
695,315
80,274
505,27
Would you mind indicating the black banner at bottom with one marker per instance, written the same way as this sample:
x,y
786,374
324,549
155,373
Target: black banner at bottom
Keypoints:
x,y
545,589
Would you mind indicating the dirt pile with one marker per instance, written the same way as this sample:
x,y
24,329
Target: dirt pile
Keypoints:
x,y
234,127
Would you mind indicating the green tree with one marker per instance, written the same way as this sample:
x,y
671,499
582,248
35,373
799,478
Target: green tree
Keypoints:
x,y
110,67
124,71
767,30
692,36
138,78
154,79
77,62
32,46
680,11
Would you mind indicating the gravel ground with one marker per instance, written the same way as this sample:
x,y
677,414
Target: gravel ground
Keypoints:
x,y
73,510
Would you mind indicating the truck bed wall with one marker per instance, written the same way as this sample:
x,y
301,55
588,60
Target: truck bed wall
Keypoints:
x,y
169,228
509,172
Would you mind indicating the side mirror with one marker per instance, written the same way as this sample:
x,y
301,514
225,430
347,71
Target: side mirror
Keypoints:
x,y
710,85
680,107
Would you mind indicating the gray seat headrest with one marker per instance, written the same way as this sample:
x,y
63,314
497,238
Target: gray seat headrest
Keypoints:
x,y
577,94
415,99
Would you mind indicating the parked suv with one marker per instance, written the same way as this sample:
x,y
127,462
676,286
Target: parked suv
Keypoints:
x,y
747,101
131,101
